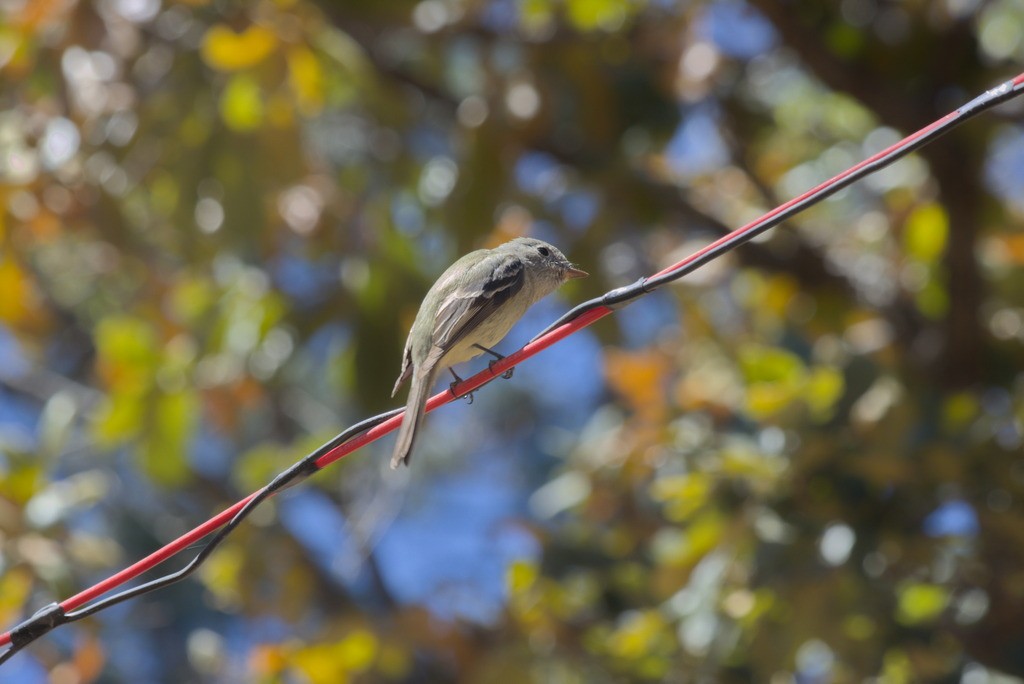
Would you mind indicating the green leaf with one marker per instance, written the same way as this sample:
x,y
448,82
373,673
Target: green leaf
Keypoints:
x,y
164,456
761,364
127,349
933,300
191,298
774,376
535,14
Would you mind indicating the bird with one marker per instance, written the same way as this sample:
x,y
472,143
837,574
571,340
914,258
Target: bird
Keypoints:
x,y
468,310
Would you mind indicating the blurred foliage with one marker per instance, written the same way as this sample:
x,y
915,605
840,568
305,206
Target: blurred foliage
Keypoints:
x,y
803,464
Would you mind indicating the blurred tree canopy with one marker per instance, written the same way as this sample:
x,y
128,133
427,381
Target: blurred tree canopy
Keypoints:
x,y
802,464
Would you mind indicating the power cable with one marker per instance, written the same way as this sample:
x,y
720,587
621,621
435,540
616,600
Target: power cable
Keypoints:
x,y
88,602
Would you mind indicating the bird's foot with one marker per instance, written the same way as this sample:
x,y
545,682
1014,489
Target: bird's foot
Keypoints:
x,y
455,383
497,357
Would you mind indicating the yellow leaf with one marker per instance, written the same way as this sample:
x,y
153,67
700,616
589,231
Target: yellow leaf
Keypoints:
x,y
919,603
190,298
221,574
704,534
765,400
639,635
926,232
778,295
118,418
750,464
127,354
241,104
675,547
520,576
823,389
18,297
770,365
306,79
588,15
226,50
357,651
959,410
15,583
859,627
21,482
535,14
896,667
682,494
775,378
320,665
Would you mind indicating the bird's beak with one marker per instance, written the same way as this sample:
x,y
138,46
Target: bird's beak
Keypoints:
x,y
571,273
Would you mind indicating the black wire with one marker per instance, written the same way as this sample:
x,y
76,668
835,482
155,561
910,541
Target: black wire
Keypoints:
x,y
619,297
52,616
293,475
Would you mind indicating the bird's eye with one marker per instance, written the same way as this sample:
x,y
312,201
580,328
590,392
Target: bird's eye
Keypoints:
x,y
544,251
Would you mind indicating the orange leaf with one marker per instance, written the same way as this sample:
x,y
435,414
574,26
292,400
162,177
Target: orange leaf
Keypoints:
x,y
89,659
637,376
19,300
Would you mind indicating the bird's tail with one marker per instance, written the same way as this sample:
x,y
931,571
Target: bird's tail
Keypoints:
x,y
418,394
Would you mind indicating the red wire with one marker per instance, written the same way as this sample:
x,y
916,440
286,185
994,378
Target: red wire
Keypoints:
x,y
371,435
149,562
469,385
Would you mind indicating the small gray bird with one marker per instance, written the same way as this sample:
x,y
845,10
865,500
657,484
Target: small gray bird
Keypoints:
x,y
469,309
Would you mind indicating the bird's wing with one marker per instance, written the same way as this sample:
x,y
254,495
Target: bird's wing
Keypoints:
x,y
489,285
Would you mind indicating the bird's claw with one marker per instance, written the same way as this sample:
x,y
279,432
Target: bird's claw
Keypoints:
x,y
467,395
497,357
507,374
